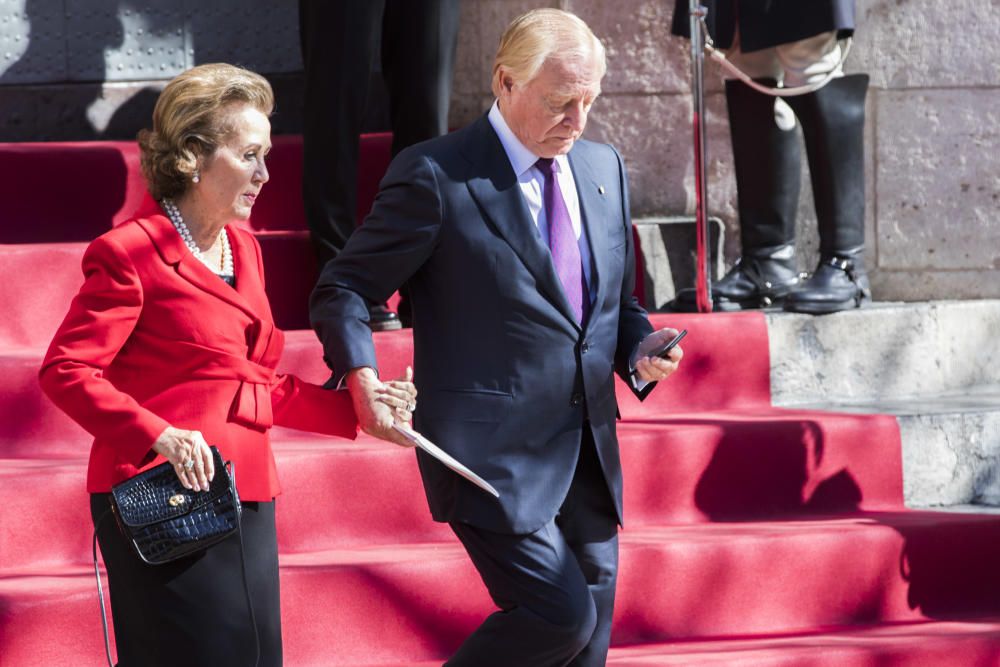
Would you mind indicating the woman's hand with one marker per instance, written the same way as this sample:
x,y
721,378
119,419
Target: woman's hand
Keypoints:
x,y
400,395
380,405
190,456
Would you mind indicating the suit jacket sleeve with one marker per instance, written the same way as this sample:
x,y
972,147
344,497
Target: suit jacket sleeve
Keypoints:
x,y
390,246
633,321
100,320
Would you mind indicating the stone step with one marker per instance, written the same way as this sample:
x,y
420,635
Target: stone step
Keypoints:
x,y
888,351
935,366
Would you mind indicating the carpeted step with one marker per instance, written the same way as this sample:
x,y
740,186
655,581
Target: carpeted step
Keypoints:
x,y
67,191
56,193
335,495
75,191
689,469
38,282
683,582
416,602
751,464
31,426
714,376
925,644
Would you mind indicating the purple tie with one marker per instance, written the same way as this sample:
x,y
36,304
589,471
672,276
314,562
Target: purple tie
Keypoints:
x,y
562,241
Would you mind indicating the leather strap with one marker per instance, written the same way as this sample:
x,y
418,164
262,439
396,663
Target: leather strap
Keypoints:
x,y
100,591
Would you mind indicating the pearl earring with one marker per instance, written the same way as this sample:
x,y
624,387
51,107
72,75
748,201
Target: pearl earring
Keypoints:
x,y
196,178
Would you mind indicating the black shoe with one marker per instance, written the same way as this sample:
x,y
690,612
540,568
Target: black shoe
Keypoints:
x,y
838,283
760,279
380,318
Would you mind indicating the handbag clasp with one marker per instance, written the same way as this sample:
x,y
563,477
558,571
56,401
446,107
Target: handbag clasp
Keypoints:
x,y
177,500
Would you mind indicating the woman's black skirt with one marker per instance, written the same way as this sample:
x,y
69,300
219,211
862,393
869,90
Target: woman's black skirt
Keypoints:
x,y
193,611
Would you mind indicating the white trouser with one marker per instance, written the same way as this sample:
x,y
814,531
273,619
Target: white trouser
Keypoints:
x,y
794,64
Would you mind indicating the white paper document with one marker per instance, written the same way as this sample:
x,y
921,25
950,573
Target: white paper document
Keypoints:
x,y
445,458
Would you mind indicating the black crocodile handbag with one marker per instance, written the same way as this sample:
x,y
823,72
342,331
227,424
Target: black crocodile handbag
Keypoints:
x,y
164,521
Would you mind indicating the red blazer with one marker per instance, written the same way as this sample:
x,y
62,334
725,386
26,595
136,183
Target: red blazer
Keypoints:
x,y
155,339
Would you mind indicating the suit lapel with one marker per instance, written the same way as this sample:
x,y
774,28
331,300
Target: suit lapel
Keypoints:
x,y
494,186
593,217
173,251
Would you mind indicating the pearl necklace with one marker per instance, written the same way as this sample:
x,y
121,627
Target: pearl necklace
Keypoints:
x,y
182,229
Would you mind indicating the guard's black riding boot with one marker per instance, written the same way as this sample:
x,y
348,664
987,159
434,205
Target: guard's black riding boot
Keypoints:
x,y
767,162
760,278
833,124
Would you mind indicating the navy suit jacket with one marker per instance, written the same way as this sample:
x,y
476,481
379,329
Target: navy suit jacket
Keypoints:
x,y
507,379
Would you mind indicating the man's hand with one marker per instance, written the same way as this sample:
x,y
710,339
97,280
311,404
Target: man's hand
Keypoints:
x,y
654,369
375,413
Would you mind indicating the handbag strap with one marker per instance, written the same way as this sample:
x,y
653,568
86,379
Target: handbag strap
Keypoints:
x,y
243,564
100,591
243,571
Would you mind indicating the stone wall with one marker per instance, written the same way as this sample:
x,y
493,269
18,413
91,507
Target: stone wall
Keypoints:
x,y
92,69
85,69
932,141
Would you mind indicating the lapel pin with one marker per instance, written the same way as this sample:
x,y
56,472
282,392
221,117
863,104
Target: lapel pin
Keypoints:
x,y
600,188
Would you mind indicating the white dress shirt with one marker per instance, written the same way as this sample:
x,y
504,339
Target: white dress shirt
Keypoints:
x,y
532,183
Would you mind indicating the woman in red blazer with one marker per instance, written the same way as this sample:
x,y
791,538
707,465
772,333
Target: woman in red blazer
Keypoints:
x,y
169,346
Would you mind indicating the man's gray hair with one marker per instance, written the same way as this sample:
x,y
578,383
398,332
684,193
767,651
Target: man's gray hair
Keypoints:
x,y
534,37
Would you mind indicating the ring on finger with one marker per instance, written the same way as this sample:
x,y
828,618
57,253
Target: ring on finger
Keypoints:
x,y
189,464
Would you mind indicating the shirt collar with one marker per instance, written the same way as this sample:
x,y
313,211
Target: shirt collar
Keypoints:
x,y
521,159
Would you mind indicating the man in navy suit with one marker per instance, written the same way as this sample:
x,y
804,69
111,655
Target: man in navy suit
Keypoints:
x,y
515,238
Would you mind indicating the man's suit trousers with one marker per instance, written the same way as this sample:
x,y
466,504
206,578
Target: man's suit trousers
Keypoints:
x,y
555,587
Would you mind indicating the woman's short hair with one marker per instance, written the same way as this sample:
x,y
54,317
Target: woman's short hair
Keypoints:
x,y
539,34
189,122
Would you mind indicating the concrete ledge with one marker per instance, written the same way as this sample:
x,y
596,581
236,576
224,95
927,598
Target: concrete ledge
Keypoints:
x,y
951,459
887,351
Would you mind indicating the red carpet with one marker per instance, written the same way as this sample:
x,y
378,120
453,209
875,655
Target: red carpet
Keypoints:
x,y
754,535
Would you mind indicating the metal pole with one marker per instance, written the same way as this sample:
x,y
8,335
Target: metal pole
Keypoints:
x,y
703,273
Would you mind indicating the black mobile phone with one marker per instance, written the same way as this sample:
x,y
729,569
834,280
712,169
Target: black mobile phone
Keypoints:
x,y
664,351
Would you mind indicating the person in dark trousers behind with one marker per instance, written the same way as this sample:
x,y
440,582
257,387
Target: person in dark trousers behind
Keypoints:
x,y
340,43
515,238
791,43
